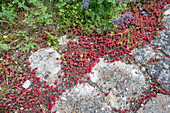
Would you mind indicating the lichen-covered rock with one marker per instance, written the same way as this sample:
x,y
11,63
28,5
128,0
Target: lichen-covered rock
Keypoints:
x,y
81,98
163,43
161,71
160,104
46,63
163,40
122,82
166,18
143,54
167,11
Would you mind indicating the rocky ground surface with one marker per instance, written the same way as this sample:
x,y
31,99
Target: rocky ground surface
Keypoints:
x,y
112,85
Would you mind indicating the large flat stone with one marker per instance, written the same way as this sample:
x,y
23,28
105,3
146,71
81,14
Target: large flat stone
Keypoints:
x,y
160,104
46,63
81,98
143,54
120,80
161,71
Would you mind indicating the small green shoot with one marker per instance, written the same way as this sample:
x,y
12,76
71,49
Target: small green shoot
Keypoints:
x,y
81,57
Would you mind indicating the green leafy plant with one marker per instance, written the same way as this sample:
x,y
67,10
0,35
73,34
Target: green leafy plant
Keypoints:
x,y
37,15
10,9
3,46
21,4
53,40
99,14
62,55
27,46
81,57
103,13
22,33
9,13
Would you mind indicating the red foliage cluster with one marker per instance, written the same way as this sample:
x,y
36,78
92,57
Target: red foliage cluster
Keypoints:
x,y
80,57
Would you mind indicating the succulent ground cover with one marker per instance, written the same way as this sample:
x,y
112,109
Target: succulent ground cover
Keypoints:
x,y
137,26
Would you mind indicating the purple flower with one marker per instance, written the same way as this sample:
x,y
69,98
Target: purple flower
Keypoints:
x,y
86,5
123,16
2,14
118,1
119,19
128,15
115,20
127,2
133,1
132,18
128,22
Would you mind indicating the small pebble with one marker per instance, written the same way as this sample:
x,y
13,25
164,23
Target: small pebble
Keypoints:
x,y
143,69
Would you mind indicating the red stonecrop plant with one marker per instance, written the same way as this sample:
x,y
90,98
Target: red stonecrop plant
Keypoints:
x,y
80,58
22,98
